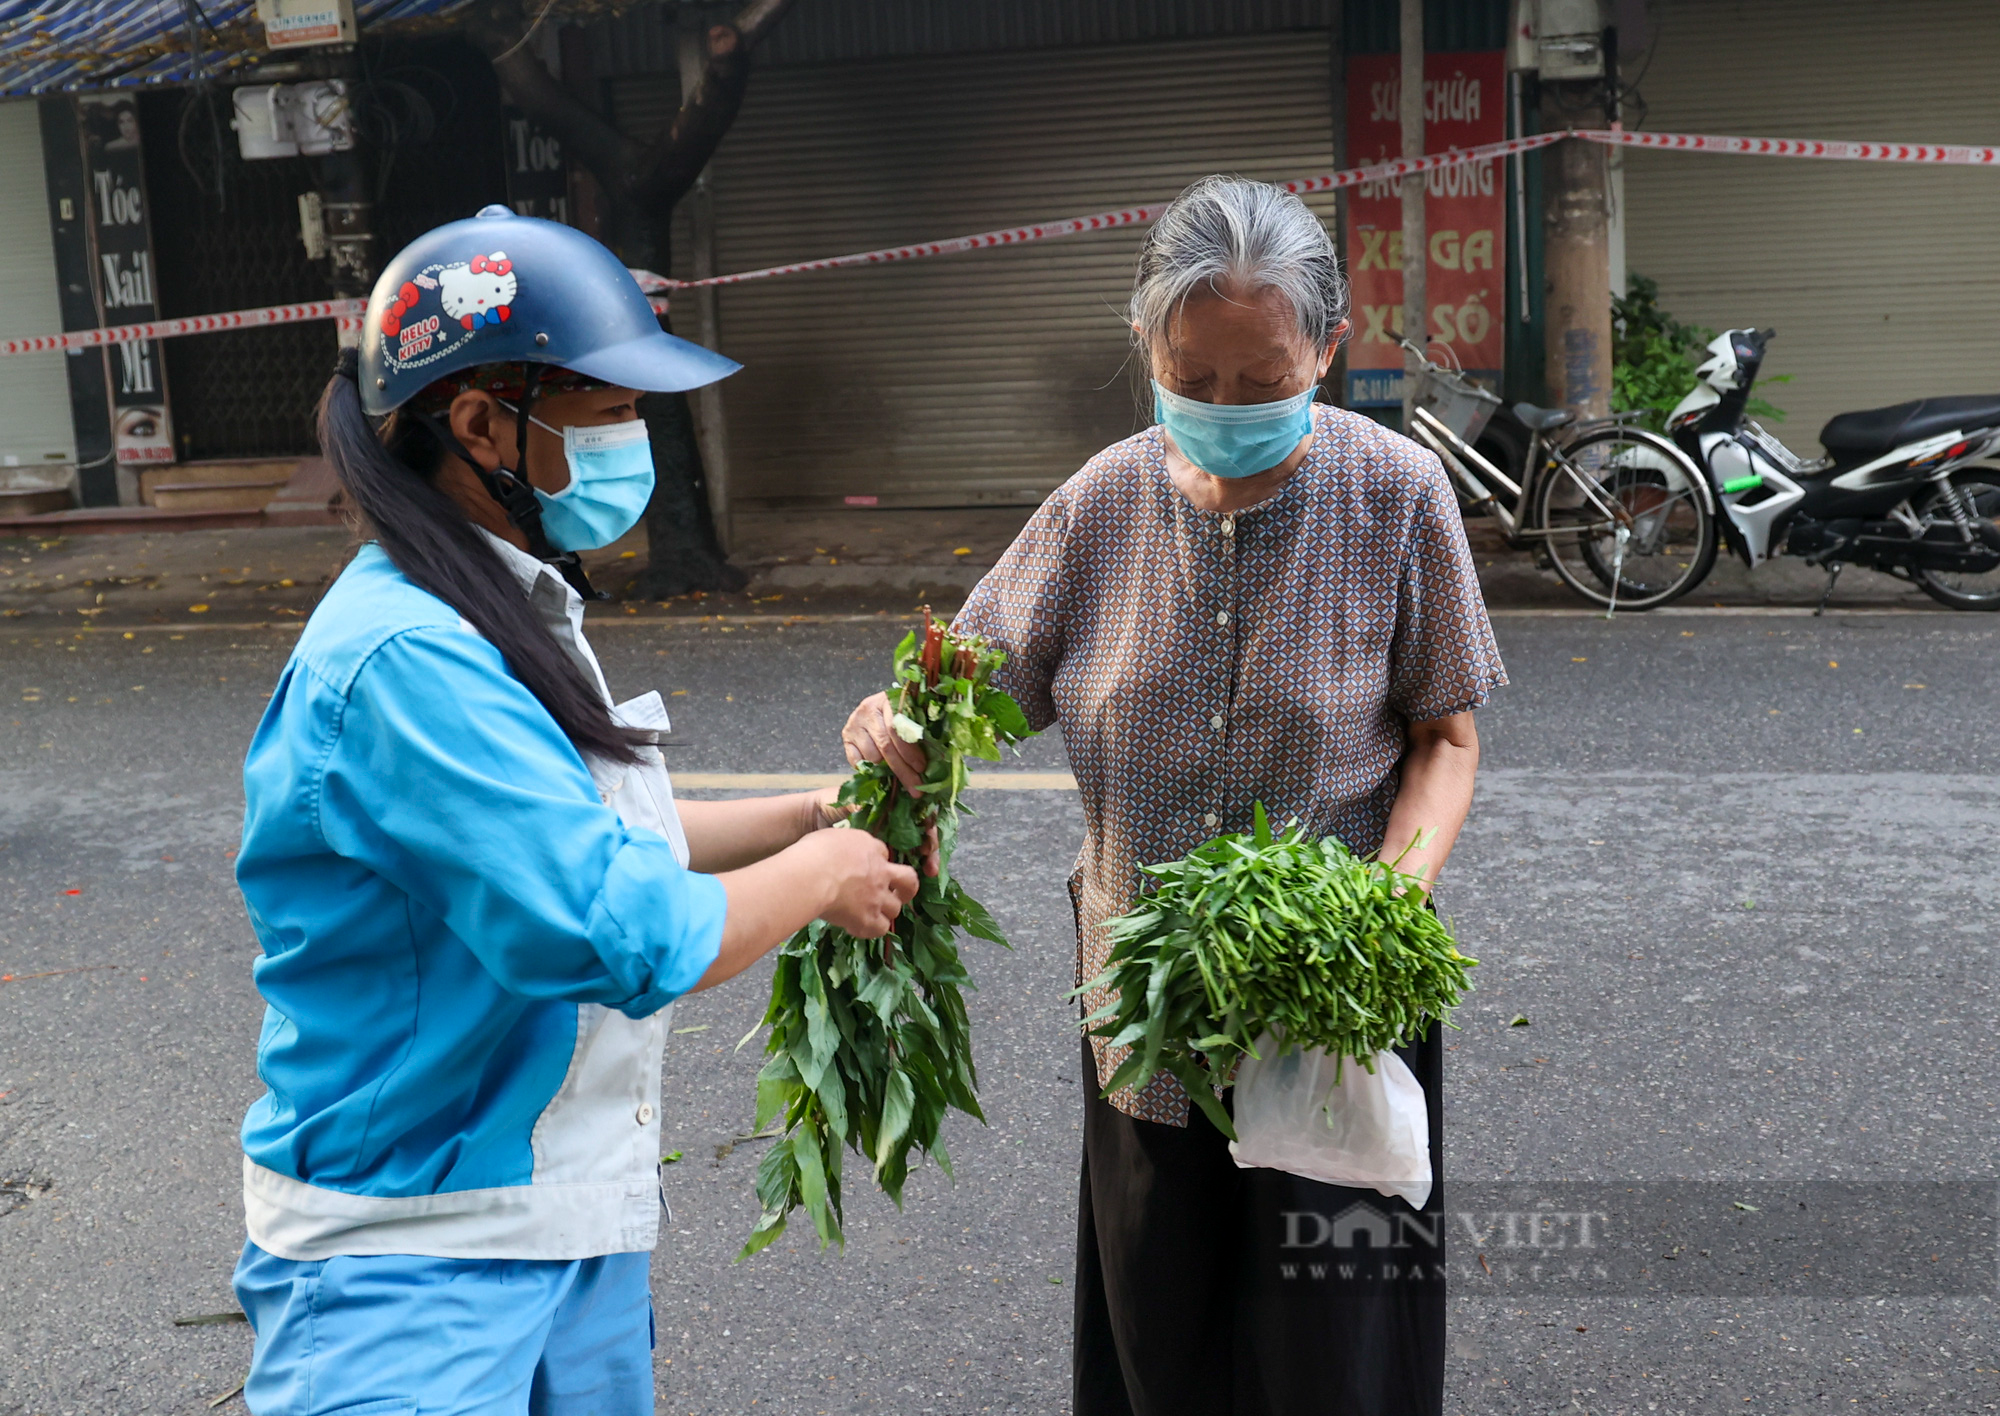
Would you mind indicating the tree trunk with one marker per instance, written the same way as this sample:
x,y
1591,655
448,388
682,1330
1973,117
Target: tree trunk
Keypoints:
x,y
683,554
641,185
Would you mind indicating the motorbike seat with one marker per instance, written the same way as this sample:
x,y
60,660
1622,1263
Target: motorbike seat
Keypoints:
x,y
1542,420
1878,430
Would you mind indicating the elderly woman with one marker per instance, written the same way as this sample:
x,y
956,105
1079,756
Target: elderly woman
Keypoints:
x,y
1259,599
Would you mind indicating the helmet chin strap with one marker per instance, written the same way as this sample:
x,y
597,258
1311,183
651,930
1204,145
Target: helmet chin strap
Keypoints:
x,y
511,490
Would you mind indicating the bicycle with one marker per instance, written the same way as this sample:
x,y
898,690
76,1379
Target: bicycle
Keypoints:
x,y
1617,511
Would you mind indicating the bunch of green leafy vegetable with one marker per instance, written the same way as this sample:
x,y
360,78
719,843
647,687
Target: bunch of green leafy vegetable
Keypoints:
x,y
1260,933
1654,356
869,1041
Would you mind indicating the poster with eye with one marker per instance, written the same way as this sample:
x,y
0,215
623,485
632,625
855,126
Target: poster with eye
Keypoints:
x,y
122,247
1464,217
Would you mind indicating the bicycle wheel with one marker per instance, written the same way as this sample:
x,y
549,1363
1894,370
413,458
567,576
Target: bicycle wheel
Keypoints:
x,y
1979,497
1625,514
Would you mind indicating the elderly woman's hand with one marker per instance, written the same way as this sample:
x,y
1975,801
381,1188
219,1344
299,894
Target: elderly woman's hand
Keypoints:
x,y
868,737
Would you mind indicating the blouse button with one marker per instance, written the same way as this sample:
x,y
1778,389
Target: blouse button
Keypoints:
x,y
1211,820
1216,722
1222,617
645,1114
1229,526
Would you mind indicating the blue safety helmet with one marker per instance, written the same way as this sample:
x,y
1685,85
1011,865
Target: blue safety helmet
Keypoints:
x,y
501,288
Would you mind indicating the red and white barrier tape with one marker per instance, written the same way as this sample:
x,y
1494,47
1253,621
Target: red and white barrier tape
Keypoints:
x,y
349,312
1834,150
341,310
1107,220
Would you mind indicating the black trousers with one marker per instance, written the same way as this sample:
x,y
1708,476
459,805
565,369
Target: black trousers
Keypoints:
x,y
1205,1290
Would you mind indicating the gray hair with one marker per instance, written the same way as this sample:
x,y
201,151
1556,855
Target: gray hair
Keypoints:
x,y
1232,231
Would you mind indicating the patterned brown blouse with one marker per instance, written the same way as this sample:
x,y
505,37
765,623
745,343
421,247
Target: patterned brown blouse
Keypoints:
x,y
1200,662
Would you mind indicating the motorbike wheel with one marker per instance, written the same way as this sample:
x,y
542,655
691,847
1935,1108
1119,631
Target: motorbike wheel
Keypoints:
x,y
1671,541
1979,493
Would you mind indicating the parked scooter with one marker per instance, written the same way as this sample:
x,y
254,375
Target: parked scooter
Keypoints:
x,y
1900,489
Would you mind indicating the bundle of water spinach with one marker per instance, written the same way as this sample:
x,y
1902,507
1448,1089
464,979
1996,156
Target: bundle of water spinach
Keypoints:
x,y
1271,933
869,1042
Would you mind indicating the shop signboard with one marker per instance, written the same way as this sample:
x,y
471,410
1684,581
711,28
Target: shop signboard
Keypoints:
x,y
302,24
537,171
122,266
1464,218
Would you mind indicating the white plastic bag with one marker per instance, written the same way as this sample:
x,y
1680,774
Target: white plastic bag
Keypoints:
x,y
1369,1131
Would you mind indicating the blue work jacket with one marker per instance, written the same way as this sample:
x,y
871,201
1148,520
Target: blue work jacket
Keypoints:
x,y
470,936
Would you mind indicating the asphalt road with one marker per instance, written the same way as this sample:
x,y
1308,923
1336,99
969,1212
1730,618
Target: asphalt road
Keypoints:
x,y
1732,870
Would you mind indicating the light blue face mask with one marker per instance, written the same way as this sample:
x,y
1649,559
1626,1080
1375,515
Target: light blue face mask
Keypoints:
x,y
610,482
1234,439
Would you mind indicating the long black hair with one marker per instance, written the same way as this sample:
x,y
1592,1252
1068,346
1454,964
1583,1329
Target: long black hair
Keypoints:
x,y
391,480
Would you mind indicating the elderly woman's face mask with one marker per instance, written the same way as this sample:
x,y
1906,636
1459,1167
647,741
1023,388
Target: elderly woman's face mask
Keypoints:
x,y
1234,439
1246,384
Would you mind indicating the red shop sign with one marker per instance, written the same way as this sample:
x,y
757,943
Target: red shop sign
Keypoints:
x,y
1464,214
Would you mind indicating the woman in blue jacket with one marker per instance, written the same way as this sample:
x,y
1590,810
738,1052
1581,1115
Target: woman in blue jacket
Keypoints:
x,y
476,894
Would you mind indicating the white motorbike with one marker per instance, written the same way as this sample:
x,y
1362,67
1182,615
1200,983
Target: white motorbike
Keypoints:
x,y
1902,489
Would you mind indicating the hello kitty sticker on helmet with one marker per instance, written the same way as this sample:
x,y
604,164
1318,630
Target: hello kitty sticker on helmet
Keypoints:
x,y
479,292
471,294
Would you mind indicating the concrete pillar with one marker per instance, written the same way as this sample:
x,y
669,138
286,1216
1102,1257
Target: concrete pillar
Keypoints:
x,y
1576,252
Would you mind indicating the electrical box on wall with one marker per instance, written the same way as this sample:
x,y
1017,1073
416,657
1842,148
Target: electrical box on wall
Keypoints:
x,y
1561,39
293,120
312,225
263,128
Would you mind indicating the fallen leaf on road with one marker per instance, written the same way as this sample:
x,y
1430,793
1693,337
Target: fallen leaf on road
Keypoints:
x,y
52,973
698,1027
197,609
1520,1020
210,1319
227,1394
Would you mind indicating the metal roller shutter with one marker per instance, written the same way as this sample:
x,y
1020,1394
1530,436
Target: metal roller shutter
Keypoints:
x,y
1880,279
987,377
35,429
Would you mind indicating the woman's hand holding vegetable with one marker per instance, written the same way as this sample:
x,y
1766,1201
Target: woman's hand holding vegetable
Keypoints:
x,y
870,736
865,890
843,877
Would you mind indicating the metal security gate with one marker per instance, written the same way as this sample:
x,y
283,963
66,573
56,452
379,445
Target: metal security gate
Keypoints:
x,y
234,243
35,428
983,378
232,246
1880,280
